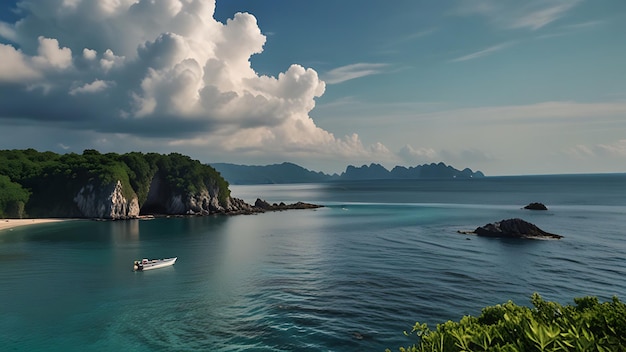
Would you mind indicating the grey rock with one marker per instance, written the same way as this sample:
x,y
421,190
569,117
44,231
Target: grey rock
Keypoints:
x,y
536,206
106,202
514,228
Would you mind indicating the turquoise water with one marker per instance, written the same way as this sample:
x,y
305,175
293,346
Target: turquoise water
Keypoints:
x,y
348,277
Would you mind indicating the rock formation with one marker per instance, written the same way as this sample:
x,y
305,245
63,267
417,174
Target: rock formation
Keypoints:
x,y
265,206
109,203
106,202
513,228
536,206
164,199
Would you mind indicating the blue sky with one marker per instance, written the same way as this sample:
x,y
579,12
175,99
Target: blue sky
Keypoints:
x,y
506,87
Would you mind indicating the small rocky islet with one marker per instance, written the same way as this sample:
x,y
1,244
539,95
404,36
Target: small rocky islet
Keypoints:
x,y
512,228
536,206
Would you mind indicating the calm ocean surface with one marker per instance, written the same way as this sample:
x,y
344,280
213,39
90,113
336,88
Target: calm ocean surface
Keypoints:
x,y
348,277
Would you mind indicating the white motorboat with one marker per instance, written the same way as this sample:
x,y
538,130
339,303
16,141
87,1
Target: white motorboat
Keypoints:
x,y
149,264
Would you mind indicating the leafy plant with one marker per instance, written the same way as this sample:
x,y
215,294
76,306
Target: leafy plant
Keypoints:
x,y
588,325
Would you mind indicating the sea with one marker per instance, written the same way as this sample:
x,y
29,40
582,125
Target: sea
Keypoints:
x,y
351,276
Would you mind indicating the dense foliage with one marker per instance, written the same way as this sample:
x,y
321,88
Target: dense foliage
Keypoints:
x,y
44,183
586,326
13,198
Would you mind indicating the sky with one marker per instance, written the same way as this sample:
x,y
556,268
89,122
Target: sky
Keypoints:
x,y
502,86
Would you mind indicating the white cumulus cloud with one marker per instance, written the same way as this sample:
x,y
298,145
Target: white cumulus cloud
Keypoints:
x,y
89,54
93,87
50,54
15,66
164,69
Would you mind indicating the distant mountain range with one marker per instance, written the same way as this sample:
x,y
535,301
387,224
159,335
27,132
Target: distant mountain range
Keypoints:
x,y
292,173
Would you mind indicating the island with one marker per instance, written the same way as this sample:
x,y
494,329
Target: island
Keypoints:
x,y
292,173
512,228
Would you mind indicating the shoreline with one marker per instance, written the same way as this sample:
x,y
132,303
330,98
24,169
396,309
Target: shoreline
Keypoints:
x,y
10,224
260,206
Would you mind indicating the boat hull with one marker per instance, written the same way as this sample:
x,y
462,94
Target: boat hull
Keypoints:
x,y
153,264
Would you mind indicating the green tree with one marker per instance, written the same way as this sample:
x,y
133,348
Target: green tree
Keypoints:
x,y
13,198
140,172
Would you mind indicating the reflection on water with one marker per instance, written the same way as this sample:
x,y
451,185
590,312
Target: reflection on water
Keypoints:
x,y
348,277
125,231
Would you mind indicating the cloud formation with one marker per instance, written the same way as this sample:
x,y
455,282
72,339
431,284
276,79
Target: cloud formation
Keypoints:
x,y
418,155
616,149
349,72
162,69
531,14
490,50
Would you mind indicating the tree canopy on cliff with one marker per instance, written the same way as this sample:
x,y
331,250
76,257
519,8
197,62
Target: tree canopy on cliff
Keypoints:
x,y
13,198
45,183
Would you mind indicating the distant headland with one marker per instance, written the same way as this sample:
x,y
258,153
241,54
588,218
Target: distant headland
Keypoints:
x,y
292,173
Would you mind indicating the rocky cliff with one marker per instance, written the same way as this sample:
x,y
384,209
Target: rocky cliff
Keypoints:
x,y
164,198
113,186
107,202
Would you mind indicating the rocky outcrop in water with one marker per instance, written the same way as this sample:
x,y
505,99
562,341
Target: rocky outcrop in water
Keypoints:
x,y
536,206
512,228
265,206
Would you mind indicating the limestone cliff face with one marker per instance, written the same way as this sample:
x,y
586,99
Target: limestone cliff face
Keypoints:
x,y
204,202
106,202
162,199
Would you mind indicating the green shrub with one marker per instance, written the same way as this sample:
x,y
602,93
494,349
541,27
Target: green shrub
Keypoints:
x,y
586,326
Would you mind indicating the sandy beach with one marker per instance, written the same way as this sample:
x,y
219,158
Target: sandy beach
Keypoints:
x,y
7,224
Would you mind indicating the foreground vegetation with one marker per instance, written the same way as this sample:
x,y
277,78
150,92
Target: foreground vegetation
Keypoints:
x,y
39,184
586,326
